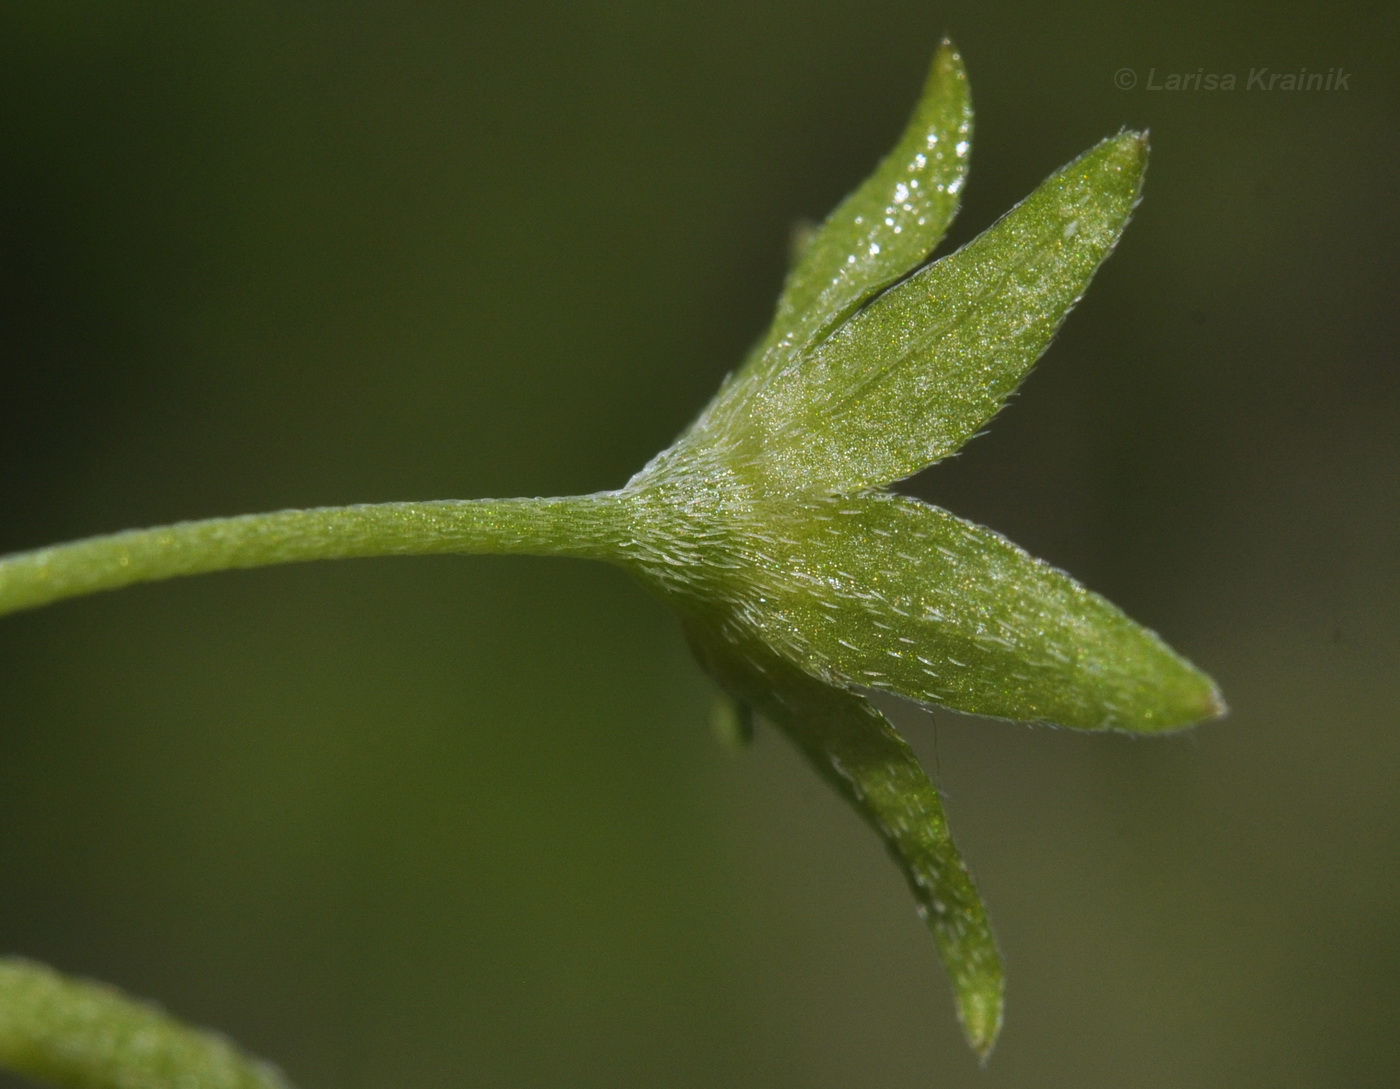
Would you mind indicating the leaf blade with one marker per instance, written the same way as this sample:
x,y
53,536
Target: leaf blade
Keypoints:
x,y
913,375
894,594
888,226
892,221
855,748
74,1032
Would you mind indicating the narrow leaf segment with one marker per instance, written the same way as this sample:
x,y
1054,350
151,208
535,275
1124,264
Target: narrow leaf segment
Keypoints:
x,y
854,747
890,224
83,1035
886,592
915,374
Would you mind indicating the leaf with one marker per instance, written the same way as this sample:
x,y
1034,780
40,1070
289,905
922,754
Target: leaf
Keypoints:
x,y
73,1032
917,372
887,227
890,593
891,223
855,748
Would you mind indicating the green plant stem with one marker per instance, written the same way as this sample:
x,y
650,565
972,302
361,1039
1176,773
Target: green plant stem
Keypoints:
x,y
587,526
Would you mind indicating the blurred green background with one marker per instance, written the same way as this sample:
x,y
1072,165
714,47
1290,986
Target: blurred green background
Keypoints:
x,y
461,822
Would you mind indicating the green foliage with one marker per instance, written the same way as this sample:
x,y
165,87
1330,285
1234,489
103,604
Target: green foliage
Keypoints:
x,y
915,374
803,587
855,748
90,1036
887,226
800,582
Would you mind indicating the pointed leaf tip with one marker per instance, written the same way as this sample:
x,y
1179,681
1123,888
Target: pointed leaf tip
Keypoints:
x,y
1131,147
981,1017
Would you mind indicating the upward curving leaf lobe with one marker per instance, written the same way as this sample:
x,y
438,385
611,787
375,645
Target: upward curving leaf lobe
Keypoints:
x,y
883,230
915,374
890,224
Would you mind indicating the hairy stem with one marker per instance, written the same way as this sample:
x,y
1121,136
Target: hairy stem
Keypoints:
x,y
589,526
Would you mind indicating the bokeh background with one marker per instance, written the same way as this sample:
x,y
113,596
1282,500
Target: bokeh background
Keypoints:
x,y
461,822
